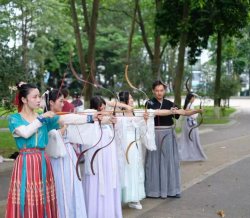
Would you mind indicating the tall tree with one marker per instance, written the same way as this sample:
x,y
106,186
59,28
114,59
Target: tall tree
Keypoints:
x,y
228,18
155,53
178,21
87,63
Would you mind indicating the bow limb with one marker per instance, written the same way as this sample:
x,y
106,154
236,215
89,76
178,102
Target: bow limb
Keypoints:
x,y
127,79
95,85
134,142
99,149
78,77
86,150
186,84
196,126
137,89
127,150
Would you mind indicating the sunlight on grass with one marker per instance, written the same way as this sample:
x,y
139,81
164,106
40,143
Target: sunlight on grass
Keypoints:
x,y
7,144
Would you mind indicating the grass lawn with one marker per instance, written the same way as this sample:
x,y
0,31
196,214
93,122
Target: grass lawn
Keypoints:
x,y
7,144
209,117
4,123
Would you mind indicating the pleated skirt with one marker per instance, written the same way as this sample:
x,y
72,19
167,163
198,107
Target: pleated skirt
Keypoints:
x,y
162,167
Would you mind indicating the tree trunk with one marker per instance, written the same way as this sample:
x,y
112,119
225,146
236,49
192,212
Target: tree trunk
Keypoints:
x,y
78,38
91,51
156,61
179,71
25,36
171,67
132,30
249,82
154,56
217,98
86,17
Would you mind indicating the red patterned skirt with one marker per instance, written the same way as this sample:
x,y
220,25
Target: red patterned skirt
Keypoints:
x,y
26,197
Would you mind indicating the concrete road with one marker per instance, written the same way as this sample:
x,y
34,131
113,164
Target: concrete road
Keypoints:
x,y
227,191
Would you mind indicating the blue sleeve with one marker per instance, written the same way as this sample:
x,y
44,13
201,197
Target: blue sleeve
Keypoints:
x,y
53,123
14,122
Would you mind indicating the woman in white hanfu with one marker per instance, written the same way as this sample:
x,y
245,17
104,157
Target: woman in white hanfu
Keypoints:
x,y
102,189
130,130
134,129
69,190
190,148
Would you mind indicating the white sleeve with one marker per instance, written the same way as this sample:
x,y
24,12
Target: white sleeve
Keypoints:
x,y
191,107
86,134
73,119
56,147
27,131
148,132
76,118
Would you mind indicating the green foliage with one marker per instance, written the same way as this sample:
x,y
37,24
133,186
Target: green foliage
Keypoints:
x,y
229,87
7,144
51,40
3,123
210,118
197,25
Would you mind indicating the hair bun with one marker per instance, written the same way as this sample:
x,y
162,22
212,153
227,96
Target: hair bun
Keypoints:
x,y
20,84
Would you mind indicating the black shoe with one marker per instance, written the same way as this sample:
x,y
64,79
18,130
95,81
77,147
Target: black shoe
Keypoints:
x,y
175,196
178,196
152,197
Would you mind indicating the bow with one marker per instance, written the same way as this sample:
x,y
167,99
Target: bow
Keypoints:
x,y
96,86
99,149
200,107
84,151
137,89
200,122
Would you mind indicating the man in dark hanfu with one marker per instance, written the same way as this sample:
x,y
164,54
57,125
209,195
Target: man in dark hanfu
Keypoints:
x,y
162,167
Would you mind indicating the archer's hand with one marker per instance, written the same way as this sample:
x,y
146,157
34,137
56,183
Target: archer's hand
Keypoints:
x,y
98,116
180,112
113,119
200,111
49,114
174,110
146,116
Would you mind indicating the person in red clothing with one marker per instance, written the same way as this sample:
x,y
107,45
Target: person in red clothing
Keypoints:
x,y
67,106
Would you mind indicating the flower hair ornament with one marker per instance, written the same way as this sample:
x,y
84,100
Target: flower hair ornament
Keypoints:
x,y
21,83
45,99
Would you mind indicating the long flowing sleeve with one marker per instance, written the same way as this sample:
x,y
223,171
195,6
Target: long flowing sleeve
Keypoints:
x,y
147,131
73,119
87,133
24,131
56,147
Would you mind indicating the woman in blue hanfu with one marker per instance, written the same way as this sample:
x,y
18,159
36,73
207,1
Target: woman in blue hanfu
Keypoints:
x,y
32,188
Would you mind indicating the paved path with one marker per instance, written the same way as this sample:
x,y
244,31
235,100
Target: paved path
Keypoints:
x,y
227,191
